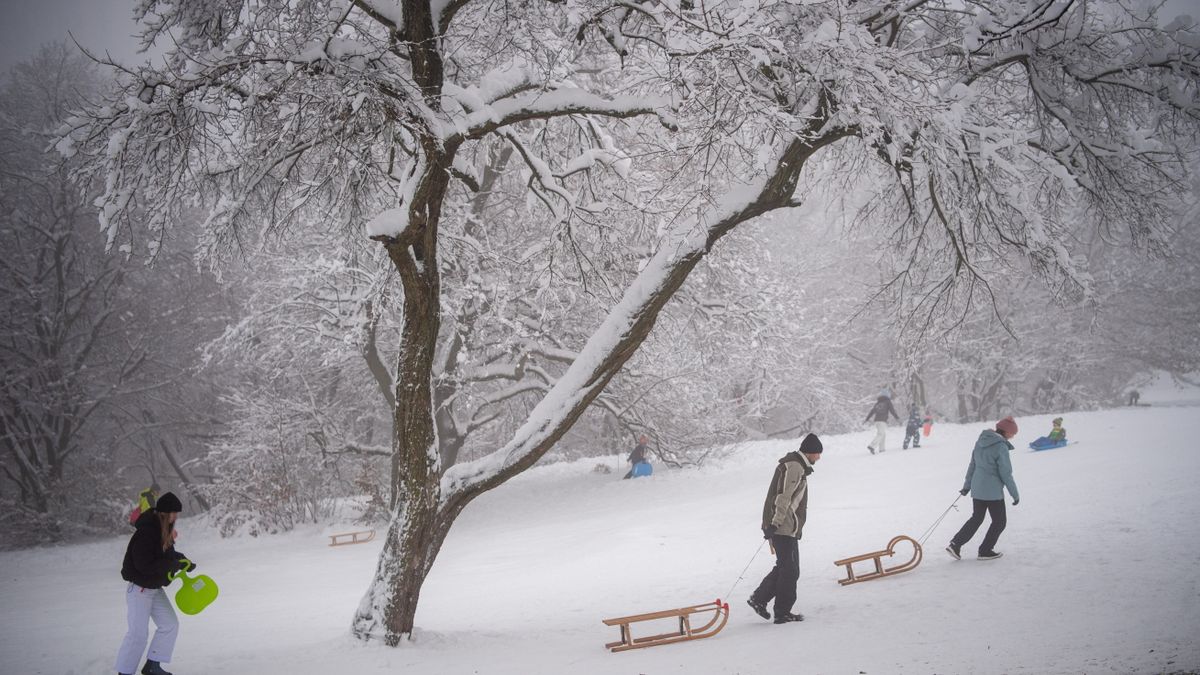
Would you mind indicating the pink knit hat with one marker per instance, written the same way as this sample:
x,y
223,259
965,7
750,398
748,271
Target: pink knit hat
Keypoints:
x,y
1007,425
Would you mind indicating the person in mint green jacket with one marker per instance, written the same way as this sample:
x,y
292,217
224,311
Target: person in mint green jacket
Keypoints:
x,y
989,473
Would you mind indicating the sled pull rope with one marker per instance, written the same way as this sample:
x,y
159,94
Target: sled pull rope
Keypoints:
x,y
743,574
929,532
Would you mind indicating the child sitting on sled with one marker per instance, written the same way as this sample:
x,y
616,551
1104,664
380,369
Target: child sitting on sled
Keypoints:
x,y
1055,439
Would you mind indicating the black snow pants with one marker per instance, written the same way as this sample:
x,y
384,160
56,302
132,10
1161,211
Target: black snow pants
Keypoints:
x,y
780,582
912,434
994,508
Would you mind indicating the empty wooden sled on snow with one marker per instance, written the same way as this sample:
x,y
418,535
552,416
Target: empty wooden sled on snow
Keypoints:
x,y
877,556
720,615
346,538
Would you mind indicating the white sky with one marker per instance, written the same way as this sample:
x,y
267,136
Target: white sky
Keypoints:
x,y
108,25
98,25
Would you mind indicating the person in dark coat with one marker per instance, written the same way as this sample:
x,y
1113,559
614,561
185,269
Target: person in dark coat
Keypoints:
x,y
150,561
989,473
637,455
879,413
784,515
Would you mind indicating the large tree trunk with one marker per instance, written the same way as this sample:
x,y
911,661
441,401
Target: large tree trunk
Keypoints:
x,y
414,534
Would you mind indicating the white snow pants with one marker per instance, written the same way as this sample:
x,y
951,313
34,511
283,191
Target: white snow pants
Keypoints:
x,y
143,604
880,436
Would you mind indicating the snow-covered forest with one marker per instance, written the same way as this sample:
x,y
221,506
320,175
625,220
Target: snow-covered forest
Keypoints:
x,y
312,260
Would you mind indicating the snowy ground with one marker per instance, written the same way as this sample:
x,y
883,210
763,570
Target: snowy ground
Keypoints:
x,y
1099,573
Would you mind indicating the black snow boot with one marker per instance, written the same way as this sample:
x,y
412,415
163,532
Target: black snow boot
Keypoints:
x,y
153,668
759,608
789,617
871,449
990,555
952,549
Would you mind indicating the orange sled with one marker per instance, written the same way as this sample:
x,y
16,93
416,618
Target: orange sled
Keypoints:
x,y
720,615
876,557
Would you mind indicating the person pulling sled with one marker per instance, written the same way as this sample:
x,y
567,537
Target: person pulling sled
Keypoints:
x,y
784,514
988,474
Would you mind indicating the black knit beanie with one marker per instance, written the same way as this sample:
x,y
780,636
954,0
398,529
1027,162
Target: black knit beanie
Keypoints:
x,y
168,503
811,445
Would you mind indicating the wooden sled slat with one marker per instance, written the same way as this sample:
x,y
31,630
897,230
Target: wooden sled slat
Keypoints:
x,y
717,621
360,537
877,558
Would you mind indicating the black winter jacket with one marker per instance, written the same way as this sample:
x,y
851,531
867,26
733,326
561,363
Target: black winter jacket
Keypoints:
x,y
146,563
879,412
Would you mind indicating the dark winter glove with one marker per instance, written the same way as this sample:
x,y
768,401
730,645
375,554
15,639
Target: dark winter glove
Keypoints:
x,y
965,492
1016,501
769,531
185,565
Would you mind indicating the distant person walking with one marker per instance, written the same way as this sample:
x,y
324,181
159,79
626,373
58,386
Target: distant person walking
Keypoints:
x,y
784,514
1134,396
879,413
149,559
988,474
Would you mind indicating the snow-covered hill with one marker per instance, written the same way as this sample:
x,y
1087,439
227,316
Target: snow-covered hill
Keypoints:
x,y
1099,573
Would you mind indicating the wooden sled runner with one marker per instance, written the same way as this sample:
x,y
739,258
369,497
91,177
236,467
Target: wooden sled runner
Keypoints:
x,y
877,556
347,538
720,615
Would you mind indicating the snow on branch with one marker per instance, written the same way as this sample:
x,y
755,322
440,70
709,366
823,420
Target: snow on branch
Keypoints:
x,y
628,322
557,102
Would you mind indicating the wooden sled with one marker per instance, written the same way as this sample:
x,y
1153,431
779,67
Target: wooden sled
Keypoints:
x,y
877,556
720,615
361,537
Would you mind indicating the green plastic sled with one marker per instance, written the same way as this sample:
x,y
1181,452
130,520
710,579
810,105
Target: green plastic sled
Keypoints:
x,y
197,592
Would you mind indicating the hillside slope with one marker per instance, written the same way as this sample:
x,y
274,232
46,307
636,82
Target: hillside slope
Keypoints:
x,y
1098,574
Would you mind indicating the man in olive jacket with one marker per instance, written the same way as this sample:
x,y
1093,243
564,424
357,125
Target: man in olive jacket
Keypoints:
x,y
989,473
784,513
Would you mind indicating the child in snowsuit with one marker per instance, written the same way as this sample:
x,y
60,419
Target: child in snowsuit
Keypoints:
x,y
149,560
1057,431
1057,436
912,429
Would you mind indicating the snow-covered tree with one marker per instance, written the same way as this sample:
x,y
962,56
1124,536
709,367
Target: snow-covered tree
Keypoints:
x,y
59,366
983,126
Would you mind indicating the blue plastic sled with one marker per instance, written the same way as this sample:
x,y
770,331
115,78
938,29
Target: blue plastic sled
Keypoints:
x,y
642,469
1044,443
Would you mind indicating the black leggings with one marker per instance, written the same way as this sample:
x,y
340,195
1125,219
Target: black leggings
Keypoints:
x,y
993,507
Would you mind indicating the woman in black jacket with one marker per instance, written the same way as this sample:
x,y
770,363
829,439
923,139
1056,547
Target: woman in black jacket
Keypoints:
x,y
149,560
